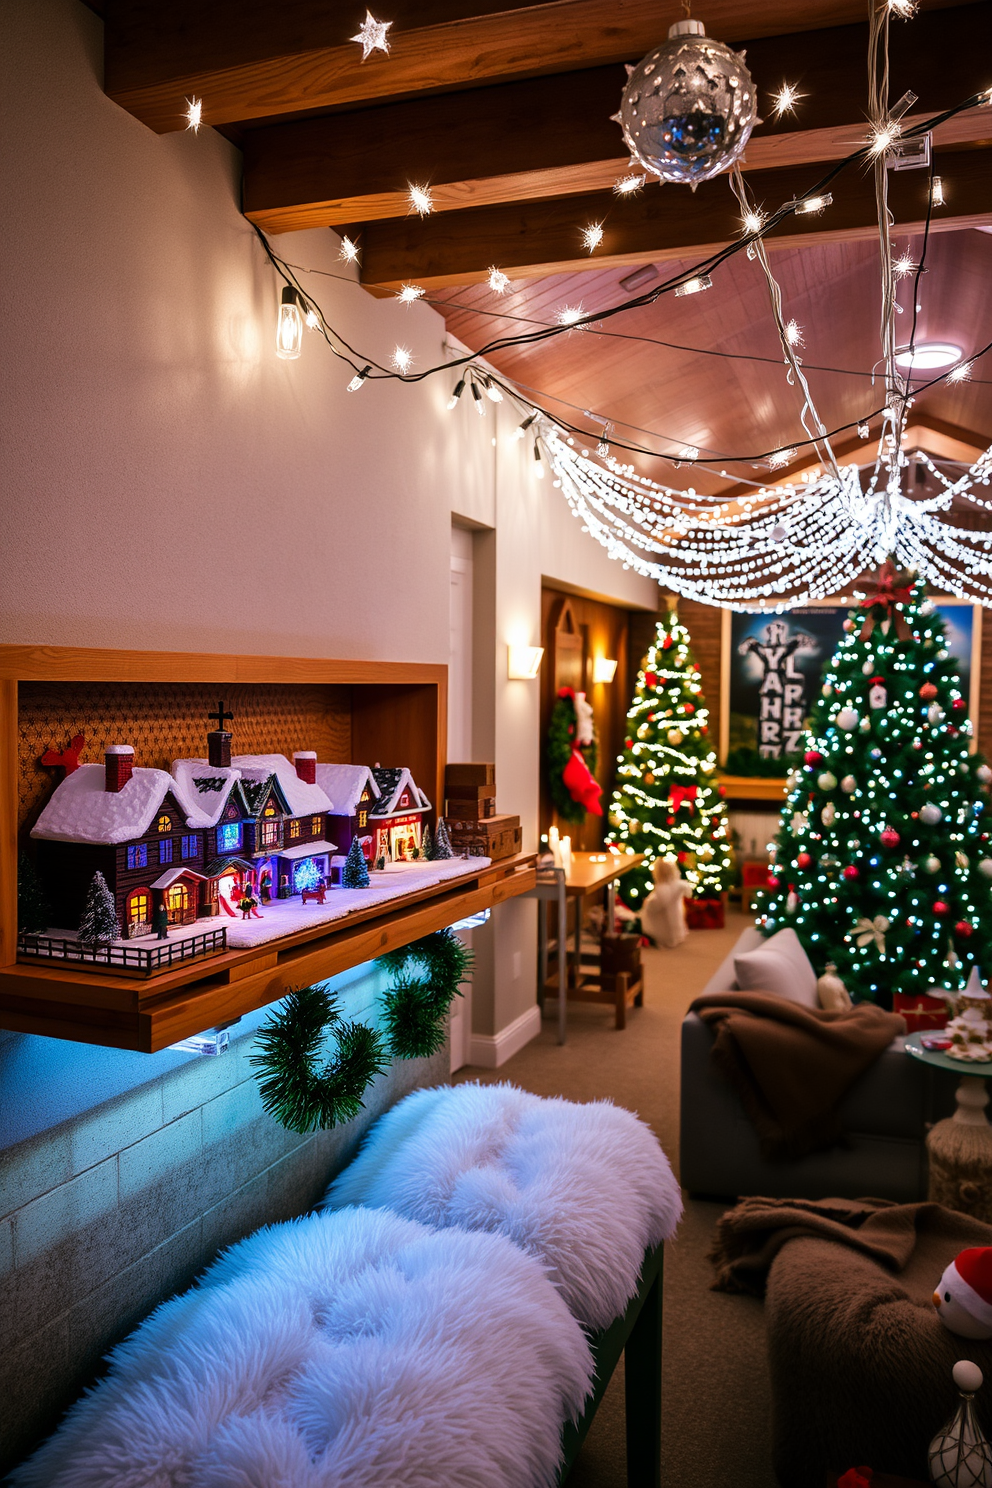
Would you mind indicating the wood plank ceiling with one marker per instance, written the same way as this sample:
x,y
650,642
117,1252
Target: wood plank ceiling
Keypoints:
x,y
504,114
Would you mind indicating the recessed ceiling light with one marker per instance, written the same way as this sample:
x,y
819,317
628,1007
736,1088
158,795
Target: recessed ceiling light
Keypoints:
x,y
928,355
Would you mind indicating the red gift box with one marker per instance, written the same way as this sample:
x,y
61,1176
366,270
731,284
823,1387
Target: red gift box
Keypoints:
x,y
921,1012
704,914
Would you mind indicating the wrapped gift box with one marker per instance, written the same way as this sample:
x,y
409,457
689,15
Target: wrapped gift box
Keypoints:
x,y
921,1012
704,914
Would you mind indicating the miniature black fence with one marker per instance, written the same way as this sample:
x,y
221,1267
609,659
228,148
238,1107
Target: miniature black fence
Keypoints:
x,y
125,959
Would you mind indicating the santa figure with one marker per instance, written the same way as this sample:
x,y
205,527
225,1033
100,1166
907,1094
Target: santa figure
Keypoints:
x,y
963,1298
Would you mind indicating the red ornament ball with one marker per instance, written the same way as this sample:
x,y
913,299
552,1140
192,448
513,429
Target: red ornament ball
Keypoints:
x,y
959,705
889,837
851,871
813,757
773,883
650,679
690,707
803,860
963,929
666,643
671,821
722,789
928,691
628,743
917,744
940,907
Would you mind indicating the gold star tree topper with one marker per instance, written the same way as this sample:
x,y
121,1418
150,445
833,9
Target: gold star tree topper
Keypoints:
x,y
372,35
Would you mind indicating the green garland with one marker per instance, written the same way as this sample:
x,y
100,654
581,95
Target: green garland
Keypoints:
x,y
558,752
306,1098
294,1090
416,1006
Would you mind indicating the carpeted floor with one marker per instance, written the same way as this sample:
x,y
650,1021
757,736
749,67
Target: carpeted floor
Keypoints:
x,y
716,1403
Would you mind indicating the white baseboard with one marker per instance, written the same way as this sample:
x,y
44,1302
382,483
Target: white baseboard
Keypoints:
x,y
490,1050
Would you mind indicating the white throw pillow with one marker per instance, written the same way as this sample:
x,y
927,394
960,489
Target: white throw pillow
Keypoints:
x,y
779,965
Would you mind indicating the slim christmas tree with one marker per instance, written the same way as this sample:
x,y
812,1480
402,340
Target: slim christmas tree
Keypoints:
x,y
882,861
34,913
355,873
99,921
442,843
667,803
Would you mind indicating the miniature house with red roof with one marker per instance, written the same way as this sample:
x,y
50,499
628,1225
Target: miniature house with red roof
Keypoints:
x,y
398,814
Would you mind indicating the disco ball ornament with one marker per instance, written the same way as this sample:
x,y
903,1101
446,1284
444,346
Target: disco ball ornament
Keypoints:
x,y
689,107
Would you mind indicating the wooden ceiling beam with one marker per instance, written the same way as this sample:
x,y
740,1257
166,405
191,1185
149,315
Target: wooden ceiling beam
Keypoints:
x,y
553,136
543,237
249,59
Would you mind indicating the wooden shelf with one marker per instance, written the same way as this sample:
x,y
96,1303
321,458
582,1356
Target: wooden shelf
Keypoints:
x,y
395,712
149,1015
752,788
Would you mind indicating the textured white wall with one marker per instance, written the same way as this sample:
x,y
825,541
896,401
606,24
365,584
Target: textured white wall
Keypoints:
x,y
167,482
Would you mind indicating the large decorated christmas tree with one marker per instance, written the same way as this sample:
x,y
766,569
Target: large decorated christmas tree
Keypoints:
x,y
667,803
882,862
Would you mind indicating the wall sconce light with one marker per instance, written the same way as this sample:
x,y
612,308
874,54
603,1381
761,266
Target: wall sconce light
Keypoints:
x,y
603,669
523,662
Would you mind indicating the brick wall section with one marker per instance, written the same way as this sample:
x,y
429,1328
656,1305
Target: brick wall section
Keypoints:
x,y
108,1215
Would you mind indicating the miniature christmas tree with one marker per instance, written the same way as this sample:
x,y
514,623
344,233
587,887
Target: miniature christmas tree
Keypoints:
x,y
99,922
34,913
426,845
442,843
883,863
355,873
667,803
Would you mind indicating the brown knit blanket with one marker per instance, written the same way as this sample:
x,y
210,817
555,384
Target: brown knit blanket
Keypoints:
x,y
791,1066
750,1236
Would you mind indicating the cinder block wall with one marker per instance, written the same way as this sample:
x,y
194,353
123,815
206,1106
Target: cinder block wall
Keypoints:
x,y
108,1214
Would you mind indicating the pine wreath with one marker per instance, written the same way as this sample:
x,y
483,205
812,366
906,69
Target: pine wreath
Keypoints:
x,y
558,751
295,1090
428,975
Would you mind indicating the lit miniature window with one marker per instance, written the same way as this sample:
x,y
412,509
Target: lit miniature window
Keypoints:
x,y
270,834
191,847
137,857
294,829
229,836
363,819
165,851
315,825
165,822
270,810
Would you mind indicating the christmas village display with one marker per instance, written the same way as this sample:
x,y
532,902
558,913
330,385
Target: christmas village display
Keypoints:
x,y
257,846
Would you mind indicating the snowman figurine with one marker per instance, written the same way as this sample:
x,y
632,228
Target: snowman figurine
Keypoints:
x,y
963,1298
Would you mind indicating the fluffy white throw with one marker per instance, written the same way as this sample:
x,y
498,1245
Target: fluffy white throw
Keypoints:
x,y
345,1350
584,1188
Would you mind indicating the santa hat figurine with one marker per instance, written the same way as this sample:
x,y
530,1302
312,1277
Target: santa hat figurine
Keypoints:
x,y
963,1298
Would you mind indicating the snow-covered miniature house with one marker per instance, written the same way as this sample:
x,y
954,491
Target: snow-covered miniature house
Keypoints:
x,y
353,792
286,826
397,817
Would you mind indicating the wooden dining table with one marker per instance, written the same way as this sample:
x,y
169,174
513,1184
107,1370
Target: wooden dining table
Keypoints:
x,y
589,873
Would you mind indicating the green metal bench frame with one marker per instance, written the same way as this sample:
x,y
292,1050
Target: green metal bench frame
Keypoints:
x,y
637,1335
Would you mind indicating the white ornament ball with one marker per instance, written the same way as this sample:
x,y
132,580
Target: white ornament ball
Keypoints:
x,y
930,813
827,781
675,737
926,608
984,774
689,106
868,667
932,864
828,813
935,713
847,719
828,690
849,625
849,784
985,867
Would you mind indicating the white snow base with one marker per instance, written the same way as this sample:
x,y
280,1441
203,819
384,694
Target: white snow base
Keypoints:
x,y
584,1188
347,1350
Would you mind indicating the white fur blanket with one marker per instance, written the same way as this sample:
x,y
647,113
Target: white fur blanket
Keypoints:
x,y
584,1188
346,1350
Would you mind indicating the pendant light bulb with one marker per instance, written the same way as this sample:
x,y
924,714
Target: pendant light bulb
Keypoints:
x,y
480,407
289,329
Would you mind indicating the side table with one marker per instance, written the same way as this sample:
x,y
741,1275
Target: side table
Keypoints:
x,y
959,1148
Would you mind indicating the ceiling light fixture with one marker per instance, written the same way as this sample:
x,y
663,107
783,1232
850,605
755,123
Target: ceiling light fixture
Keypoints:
x,y
928,355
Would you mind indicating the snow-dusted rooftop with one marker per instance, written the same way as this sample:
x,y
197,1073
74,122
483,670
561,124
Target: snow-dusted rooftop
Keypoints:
x,y
301,798
203,789
82,810
392,783
344,785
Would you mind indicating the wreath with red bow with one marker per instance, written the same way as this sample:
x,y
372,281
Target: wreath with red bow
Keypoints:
x,y
571,766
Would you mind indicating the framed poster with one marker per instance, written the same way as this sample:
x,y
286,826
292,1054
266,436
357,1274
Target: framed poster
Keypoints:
x,y
771,670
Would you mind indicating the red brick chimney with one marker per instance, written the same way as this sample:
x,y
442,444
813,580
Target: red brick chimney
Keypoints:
x,y
219,749
119,762
305,761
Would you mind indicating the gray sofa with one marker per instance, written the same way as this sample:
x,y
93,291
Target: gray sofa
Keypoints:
x,y
886,1114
